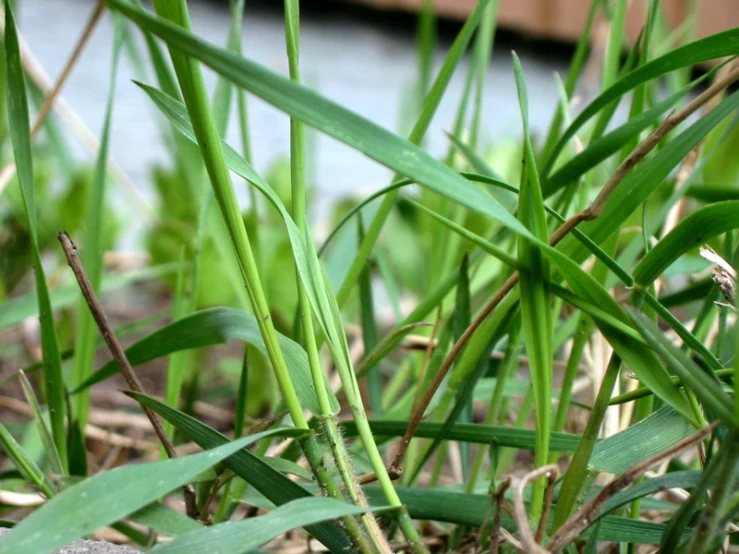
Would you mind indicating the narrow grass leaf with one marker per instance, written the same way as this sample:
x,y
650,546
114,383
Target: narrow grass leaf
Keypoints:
x,y
679,479
705,386
650,436
696,229
18,121
110,496
235,537
24,462
52,455
706,49
536,316
215,326
524,439
607,145
640,184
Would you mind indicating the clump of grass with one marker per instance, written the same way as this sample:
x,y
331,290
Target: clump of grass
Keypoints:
x,y
551,299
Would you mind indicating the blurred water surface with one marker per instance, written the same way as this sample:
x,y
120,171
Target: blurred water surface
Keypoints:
x,y
363,61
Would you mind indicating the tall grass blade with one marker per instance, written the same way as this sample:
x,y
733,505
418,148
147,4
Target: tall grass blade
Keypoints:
x,y
18,121
536,313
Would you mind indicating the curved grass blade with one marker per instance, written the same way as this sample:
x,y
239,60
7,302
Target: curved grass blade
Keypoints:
x,y
641,183
19,124
693,231
52,456
236,537
678,479
275,486
216,326
705,386
706,49
24,463
110,496
609,144
653,434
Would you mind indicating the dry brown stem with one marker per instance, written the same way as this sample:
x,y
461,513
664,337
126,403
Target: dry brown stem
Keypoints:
x,y
106,329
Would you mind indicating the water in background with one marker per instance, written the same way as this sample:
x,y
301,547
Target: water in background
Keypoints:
x,y
364,61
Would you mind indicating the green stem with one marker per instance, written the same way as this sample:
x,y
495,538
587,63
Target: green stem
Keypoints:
x,y
297,173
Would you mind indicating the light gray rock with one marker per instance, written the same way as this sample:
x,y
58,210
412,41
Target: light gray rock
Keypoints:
x,y
87,547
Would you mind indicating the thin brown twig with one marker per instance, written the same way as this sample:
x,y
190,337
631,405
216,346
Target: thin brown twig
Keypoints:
x,y
67,70
588,214
106,329
519,507
498,518
52,95
587,515
548,501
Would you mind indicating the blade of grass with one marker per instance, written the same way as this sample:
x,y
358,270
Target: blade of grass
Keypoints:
x,y
247,534
18,121
52,455
108,497
24,463
536,316
298,199
216,326
709,48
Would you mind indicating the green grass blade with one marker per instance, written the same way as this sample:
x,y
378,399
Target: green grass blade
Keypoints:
x,y
242,536
18,121
705,386
706,49
693,231
52,455
24,462
109,496
216,326
474,433
639,184
678,479
609,144
94,245
311,108
369,333
536,316
652,435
